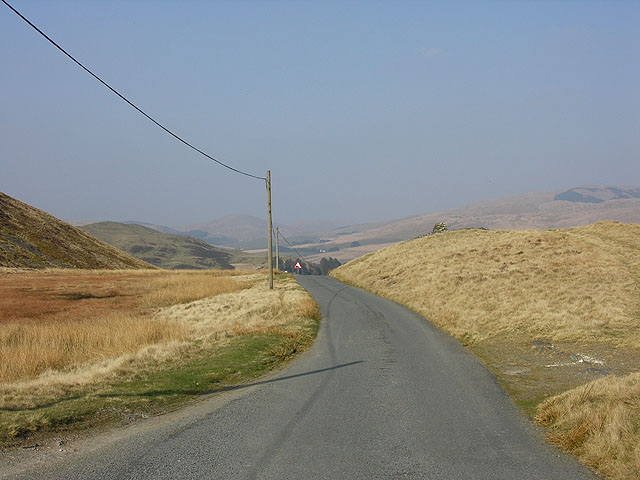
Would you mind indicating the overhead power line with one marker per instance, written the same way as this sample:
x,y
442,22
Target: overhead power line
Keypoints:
x,y
177,137
293,248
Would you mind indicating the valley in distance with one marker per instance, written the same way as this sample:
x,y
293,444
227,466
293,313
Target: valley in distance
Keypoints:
x,y
538,211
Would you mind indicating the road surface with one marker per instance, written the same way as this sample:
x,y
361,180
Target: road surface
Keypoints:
x,y
381,394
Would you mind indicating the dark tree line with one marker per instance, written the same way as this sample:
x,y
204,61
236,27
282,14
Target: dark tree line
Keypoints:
x,y
326,264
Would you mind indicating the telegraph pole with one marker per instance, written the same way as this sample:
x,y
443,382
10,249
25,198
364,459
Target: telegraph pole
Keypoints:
x,y
277,250
270,256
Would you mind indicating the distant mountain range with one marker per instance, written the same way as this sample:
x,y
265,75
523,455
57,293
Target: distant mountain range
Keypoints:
x,y
31,238
240,232
236,231
539,211
560,209
598,194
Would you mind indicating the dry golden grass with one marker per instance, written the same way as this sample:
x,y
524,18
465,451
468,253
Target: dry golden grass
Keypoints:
x,y
171,289
500,292
578,284
29,350
248,311
63,330
64,320
67,295
600,423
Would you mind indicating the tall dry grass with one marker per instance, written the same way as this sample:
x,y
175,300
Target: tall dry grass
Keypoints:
x,y
94,327
578,284
172,289
249,311
29,350
62,321
600,423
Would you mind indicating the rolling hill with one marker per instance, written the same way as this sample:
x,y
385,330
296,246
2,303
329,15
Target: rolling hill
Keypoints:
x,y
31,238
159,228
169,251
161,249
540,211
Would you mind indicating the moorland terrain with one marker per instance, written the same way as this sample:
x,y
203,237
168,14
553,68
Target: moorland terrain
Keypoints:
x,y
554,314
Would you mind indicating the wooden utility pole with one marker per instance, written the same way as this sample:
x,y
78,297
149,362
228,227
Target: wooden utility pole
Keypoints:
x,y
270,256
277,250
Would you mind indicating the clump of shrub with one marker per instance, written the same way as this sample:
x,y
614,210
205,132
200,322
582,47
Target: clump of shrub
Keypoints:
x,y
439,228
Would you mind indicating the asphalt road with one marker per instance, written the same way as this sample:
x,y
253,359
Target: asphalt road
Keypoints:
x,y
382,394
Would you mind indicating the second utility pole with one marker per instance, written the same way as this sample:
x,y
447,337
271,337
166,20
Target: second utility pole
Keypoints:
x,y
277,250
270,256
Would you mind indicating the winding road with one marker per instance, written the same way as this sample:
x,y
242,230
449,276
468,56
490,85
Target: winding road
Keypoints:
x,y
381,394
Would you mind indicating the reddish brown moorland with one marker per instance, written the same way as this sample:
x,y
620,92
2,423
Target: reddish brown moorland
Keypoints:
x,y
51,296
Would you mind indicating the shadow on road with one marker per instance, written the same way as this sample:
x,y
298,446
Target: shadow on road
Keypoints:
x,y
230,387
156,393
289,377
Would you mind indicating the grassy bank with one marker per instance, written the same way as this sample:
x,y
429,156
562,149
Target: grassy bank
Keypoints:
x,y
547,311
88,348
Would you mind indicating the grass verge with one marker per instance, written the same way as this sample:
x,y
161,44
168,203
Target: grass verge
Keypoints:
x,y
150,392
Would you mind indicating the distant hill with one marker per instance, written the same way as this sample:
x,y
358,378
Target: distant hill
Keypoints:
x,y
236,231
31,238
477,284
561,209
245,232
159,228
208,237
161,249
598,194
538,211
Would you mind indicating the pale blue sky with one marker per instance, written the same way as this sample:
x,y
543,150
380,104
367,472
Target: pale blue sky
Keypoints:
x,y
363,111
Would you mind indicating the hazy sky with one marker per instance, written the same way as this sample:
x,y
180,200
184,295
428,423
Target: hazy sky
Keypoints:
x,y
362,111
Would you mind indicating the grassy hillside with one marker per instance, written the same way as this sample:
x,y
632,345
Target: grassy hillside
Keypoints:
x,y
548,312
161,249
31,238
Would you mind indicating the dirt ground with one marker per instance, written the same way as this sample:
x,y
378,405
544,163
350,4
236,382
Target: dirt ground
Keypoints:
x,y
534,370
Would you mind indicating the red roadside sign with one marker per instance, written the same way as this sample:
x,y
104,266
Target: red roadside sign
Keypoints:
x,y
297,266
